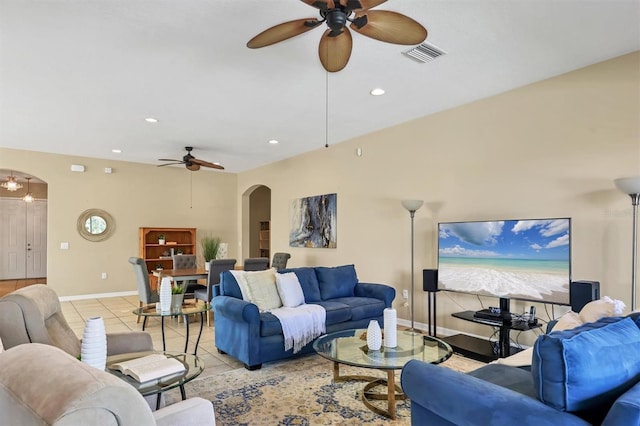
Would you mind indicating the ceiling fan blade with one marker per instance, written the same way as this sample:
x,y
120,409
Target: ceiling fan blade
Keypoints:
x,y
388,26
320,4
167,159
170,164
206,164
335,50
360,5
193,167
282,32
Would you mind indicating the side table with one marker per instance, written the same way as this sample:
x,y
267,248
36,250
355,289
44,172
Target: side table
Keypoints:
x,y
185,311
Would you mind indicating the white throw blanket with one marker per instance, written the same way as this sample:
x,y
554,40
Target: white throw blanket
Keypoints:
x,y
301,325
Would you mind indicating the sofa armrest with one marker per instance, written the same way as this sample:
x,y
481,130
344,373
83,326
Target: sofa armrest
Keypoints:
x,y
626,409
130,341
193,411
462,399
236,309
383,292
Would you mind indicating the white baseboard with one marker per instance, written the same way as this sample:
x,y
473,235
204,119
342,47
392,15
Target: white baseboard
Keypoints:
x,y
98,296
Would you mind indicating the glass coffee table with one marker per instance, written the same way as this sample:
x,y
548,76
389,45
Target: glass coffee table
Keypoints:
x,y
350,348
193,367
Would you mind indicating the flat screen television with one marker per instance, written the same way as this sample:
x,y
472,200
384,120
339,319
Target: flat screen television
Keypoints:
x,y
510,259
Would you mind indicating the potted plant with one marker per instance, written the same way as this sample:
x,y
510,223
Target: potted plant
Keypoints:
x,y
161,239
177,296
210,247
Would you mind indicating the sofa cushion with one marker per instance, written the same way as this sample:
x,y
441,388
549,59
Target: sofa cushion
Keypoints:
x,y
308,281
269,324
362,307
289,290
338,281
592,364
336,312
229,285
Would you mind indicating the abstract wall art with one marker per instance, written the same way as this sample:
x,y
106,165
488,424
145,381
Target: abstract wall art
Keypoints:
x,y
313,222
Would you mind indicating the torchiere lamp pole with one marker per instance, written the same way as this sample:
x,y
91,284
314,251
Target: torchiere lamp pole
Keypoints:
x,y
412,206
631,187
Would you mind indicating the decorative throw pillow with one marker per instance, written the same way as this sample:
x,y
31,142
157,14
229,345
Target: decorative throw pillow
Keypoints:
x,y
259,288
567,321
605,307
593,363
289,289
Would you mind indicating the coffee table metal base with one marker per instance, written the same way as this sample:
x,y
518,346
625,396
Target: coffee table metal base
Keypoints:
x,y
394,392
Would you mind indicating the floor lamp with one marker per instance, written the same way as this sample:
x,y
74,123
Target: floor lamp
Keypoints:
x,y
631,186
412,206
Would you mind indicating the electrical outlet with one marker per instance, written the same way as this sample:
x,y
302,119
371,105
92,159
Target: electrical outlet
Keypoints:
x,y
104,275
405,294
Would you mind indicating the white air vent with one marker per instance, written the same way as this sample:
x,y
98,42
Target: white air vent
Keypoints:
x,y
425,52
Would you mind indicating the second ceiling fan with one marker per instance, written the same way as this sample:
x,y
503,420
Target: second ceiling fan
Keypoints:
x,y
336,43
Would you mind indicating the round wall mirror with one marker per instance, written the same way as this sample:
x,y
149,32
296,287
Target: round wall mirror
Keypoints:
x,y
95,225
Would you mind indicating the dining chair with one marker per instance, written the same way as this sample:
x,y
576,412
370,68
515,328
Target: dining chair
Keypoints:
x,y
187,261
256,264
145,293
280,260
216,267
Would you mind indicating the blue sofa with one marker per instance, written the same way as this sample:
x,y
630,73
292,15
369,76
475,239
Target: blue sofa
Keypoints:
x,y
584,376
255,337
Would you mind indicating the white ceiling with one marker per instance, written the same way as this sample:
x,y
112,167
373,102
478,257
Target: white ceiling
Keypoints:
x,y
79,77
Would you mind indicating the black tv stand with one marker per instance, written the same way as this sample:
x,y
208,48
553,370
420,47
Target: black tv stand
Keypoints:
x,y
483,350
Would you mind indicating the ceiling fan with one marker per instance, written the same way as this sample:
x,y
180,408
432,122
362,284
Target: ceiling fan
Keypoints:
x,y
191,162
335,44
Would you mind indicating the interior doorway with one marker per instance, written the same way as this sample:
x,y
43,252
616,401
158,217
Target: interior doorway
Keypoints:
x,y
256,228
23,232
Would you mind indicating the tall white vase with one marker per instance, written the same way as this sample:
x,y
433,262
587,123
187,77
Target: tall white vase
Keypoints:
x,y
223,248
374,336
390,328
165,294
93,350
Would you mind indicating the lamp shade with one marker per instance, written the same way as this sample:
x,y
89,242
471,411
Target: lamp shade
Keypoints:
x,y
412,205
628,185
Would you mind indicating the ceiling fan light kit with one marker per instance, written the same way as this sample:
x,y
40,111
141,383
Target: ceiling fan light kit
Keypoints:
x,y
335,45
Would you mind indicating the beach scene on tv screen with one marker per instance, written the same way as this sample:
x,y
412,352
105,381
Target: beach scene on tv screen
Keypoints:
x,y
521,259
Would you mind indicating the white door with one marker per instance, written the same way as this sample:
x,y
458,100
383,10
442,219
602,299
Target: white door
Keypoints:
x,y
13,245
23,239
36,239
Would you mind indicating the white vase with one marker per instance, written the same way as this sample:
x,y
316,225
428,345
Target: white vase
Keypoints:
x,y
165,294
390,328
374,336
93,350
207,265
223,248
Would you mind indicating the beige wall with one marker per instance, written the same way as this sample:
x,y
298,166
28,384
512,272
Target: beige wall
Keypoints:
x,y
135,195
550,149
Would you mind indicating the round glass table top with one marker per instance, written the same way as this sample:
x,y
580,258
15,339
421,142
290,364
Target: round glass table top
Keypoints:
x,y
193,367
350,347
187,309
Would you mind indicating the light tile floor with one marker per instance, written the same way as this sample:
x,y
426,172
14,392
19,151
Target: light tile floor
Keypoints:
x,y
118,316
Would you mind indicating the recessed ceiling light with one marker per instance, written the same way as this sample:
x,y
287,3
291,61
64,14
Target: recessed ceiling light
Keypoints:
x,y
151,120
377,91
273,142
116,151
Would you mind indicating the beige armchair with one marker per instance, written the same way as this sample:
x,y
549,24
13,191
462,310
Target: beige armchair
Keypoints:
x,y
64,391
33,315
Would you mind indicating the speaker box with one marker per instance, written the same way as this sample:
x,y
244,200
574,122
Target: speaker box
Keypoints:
x,y
430,280
583,292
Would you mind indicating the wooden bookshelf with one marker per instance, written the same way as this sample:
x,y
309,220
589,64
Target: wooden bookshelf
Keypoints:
x,y
264,238
158,255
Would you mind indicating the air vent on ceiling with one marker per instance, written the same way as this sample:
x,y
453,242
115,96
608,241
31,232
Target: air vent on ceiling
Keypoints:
x,y
424,52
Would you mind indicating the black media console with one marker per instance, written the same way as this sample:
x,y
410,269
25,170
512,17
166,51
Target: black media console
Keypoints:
x,y
483,350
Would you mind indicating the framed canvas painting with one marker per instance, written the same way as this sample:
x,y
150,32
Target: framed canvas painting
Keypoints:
x,y
313,222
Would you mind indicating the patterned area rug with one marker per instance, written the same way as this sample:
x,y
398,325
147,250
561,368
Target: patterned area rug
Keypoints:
x,y
298,392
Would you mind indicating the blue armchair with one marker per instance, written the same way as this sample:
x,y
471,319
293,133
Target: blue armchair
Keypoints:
x,y
589,375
